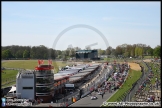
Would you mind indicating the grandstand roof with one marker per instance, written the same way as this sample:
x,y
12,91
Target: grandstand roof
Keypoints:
x,y
73,79
82,74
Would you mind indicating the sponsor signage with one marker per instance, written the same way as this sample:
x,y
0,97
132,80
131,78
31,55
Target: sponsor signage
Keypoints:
x,y
69,85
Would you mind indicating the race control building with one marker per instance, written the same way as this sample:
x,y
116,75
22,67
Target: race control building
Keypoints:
x,y
87,54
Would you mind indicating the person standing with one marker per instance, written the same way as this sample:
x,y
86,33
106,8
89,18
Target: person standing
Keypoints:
x,y
102,94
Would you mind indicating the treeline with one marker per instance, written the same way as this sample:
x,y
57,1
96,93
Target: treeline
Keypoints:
x,y
42,52
135,50
36,52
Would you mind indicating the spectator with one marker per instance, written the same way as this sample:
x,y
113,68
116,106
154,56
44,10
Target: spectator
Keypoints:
x,y
102,94
156,79
153,98
148,99
41,100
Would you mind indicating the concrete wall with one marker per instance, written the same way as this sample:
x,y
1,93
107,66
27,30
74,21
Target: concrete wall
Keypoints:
x,y
26,82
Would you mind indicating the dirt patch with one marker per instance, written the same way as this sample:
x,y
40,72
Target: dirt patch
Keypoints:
x,y
135,66
147,60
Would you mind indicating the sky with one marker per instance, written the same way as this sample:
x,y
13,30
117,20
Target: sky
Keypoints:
x,y
59,25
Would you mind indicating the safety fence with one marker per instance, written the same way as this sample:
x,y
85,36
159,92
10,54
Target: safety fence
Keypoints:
x,y
7,68
8,81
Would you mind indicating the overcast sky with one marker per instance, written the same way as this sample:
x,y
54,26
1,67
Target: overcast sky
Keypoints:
x,y
40,23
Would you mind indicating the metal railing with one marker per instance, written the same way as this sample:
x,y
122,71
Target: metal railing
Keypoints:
x,y
8,81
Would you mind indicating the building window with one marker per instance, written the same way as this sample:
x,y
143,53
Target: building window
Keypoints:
x,y
27,76
27,87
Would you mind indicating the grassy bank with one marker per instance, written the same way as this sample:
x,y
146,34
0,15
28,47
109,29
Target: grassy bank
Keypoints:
x,y
7,74
7,77
135,75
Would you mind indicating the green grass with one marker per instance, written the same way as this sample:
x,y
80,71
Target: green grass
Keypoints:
x,y
113,59
13,83
7,76
31,64
147,57
26,64
135,75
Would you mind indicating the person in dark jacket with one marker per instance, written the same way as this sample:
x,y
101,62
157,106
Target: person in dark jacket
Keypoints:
x,y
102,95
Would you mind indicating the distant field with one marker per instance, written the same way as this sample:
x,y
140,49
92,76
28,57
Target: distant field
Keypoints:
x,y
10,75
113,59
147,57
31,64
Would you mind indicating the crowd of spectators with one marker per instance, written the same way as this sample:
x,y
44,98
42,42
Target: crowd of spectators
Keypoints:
x,y
115,80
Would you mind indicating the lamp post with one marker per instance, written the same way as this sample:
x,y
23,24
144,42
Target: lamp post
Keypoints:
x,y
57,103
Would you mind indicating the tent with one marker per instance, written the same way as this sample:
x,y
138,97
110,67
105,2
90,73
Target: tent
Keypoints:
x,y
13,89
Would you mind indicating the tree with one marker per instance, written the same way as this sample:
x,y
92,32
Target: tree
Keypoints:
x,y
26,54
58,52
140,52
113,52
19,54
136,52
157,51
99,52
77,48
118,50
150,51
6,54
126,54
108,50
132,53
59,56
72,53
103,52
67,52
33,53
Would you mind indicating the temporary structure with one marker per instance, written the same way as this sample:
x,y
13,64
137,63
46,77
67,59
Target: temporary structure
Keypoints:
x,y
13,89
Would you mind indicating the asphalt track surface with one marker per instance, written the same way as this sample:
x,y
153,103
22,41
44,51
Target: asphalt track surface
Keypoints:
x,y
87,102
